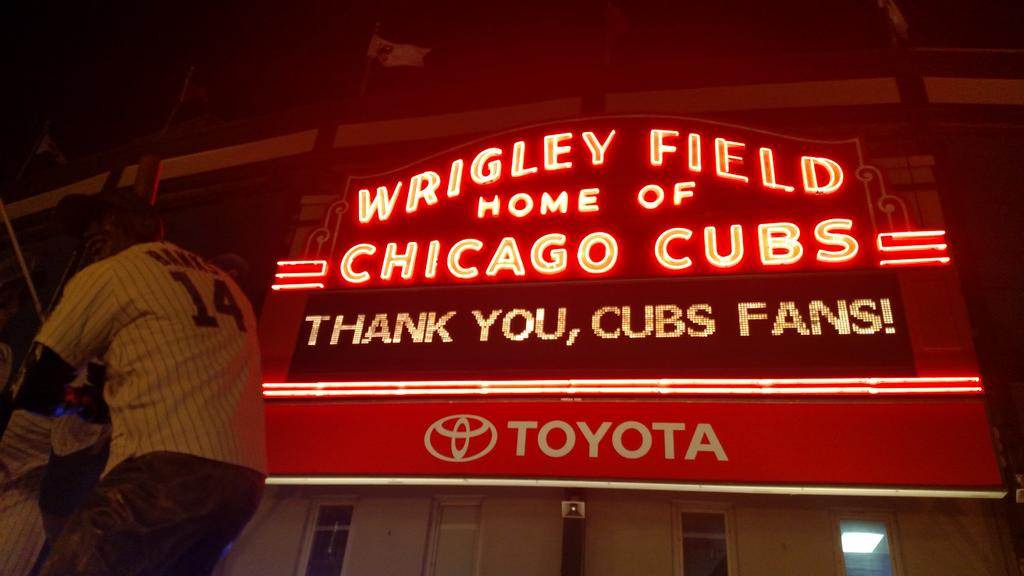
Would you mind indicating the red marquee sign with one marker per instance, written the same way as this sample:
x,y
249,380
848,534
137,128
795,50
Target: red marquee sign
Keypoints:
x,y
661,250
626,258
613,197
734,446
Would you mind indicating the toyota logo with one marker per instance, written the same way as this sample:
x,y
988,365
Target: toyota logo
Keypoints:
x,y
460,438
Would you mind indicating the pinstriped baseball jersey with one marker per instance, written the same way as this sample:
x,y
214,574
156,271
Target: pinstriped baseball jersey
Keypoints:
x,y
21,530
24,452
179,341
25,445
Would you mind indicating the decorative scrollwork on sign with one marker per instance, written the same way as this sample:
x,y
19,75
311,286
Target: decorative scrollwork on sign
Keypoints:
x,y
883,207
319,238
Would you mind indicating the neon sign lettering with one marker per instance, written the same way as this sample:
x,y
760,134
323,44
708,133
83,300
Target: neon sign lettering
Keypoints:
x,y
820,175
780,244
538,206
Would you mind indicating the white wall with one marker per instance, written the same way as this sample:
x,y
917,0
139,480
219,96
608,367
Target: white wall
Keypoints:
x,y
627,533
628,536
388,537
775,540
953,537
521,535
272,542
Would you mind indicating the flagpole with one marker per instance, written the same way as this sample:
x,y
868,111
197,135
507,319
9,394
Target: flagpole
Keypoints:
x,y
21,262
19,255
181,99
368,65
607,33
35,148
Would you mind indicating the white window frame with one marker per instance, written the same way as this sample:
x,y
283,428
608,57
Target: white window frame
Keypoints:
x,y
680,507
312,512
434,533
884,516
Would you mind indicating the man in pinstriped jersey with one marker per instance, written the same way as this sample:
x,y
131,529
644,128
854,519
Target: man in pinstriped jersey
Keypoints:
x,y
23,454
47,465
178,337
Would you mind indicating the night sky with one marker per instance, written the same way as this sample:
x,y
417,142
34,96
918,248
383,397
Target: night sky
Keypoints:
x,y
106,73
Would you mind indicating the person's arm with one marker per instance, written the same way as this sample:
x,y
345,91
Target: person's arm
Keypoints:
x,y
42,389
80,328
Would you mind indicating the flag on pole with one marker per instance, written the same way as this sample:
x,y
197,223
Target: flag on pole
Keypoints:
x,y
390,54
192,100
616,25
616,22
194,93
48,146
897,23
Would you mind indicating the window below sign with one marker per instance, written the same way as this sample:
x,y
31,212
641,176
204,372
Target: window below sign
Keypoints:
x,y
454,537
866,546
704,545
329,540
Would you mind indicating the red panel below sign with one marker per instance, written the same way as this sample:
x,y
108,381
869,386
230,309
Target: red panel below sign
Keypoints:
x,y
852,443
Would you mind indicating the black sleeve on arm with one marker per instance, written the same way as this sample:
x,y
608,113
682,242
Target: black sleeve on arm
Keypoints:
x,y
43,388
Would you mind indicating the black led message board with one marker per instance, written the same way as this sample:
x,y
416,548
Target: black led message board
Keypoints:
x,y
777,326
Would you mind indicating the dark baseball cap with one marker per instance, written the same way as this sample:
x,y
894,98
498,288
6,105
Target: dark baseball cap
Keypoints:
x,y
76,211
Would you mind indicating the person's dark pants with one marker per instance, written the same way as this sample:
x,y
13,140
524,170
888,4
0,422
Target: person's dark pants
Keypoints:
x,y
67,482
160,514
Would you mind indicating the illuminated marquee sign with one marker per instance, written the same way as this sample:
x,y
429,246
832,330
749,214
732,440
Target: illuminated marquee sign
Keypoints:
x,y
673,261
613,255
618,197
897,448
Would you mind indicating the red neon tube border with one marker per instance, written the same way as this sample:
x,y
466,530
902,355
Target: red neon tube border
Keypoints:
x,y
661,386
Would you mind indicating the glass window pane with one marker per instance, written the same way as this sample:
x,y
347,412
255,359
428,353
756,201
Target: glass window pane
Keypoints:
x,y
331,515
704,557
705,549
458,529
327,553
865,548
